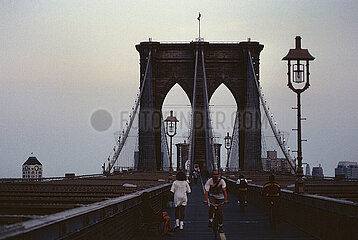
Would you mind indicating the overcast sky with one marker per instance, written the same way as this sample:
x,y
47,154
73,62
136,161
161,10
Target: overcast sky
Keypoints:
x,y
60,61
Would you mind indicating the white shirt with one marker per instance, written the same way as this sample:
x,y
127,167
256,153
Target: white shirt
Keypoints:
x,y
238,181
180,190
218,191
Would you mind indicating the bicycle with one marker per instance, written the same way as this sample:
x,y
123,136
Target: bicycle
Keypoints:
x,y
242,200
216,219
273,215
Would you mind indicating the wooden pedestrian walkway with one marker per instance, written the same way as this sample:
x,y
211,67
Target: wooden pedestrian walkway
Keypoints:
x,y
251,224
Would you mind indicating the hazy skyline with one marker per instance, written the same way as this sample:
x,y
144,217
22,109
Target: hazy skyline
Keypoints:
x,y
60,61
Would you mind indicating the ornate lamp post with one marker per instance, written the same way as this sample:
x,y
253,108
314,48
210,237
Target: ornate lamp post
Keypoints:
x,y
171,131
298,81
227,144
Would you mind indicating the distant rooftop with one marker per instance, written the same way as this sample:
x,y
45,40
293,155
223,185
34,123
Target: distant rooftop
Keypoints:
x,y
32,161
347,164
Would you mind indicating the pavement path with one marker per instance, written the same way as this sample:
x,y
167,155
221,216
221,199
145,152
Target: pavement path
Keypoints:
x,y
251,224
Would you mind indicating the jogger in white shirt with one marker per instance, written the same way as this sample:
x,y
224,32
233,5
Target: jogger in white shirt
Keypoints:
x,y
180,188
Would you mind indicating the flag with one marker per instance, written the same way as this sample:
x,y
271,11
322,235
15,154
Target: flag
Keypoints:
x,y
199,17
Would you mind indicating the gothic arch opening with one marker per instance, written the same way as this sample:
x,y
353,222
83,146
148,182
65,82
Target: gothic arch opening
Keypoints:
x,y
223,108
177,101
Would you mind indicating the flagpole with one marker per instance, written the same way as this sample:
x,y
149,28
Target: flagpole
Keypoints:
x,y
199,29
199,26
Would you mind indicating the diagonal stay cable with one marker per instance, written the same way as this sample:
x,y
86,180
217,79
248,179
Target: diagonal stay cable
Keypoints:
x,y
285,152
125,136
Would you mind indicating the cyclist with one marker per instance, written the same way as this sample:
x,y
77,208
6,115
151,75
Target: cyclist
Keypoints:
x,y
215,187
241,183
272,192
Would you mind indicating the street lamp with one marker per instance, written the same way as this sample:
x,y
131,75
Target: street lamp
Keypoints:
x,y
298,81
171,131
227,140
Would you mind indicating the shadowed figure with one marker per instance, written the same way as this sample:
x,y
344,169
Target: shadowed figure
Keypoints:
x,y
149,213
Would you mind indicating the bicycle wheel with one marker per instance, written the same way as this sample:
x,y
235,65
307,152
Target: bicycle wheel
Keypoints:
x,y
242,206
273,217
215,227
241,200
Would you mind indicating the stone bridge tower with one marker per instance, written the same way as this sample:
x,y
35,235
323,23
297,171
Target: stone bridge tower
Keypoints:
x,y
173,63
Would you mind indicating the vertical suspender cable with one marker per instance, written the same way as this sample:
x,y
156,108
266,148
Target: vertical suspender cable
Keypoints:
x,y
208,128
193,117
234,145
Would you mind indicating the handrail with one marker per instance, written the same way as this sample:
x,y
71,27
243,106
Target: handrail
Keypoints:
x,y
304,195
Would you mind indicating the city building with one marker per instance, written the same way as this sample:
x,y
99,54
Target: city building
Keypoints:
x,y
32,168
272,162
317,172
308,170
182,154
346,169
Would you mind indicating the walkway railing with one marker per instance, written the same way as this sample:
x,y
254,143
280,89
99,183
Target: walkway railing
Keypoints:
x,y
118,218
115,218
46,179
322,217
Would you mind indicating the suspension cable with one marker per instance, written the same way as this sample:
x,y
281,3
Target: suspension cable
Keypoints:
x,y
285,152
166,146
193,118
233,142
125,135
208,127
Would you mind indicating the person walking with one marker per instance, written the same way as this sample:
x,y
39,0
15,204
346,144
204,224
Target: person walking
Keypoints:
x,y
180,188
196,173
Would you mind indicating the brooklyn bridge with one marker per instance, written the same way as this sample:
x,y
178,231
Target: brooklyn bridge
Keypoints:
x,y
108,205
